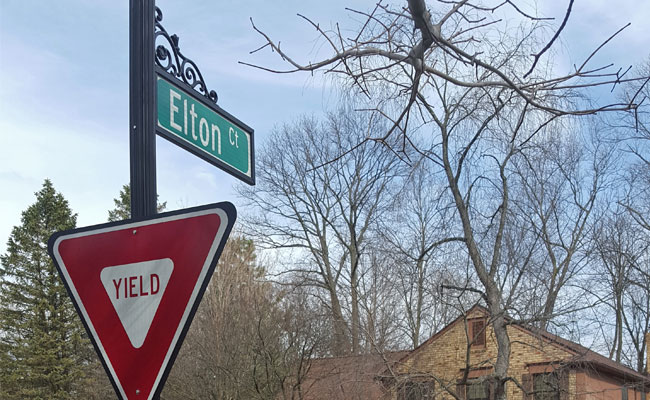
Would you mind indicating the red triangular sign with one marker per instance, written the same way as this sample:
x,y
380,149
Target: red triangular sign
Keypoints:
x,y
136,286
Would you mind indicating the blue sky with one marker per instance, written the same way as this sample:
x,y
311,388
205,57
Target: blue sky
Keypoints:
x,y
64,87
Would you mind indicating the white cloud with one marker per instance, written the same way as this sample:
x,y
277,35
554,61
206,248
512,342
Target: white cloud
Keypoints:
x,y
64,87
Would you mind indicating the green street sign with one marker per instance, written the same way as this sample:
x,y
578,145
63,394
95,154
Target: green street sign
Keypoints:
x,y
204,129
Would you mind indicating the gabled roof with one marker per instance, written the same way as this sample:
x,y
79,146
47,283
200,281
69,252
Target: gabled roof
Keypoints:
x,y
476,309
582,356
360,377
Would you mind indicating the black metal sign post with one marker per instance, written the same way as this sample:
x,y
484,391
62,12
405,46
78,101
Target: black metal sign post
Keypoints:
x,y
212,134
142,134
216,136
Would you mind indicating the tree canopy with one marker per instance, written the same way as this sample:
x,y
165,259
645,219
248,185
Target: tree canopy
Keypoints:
x,y
42,345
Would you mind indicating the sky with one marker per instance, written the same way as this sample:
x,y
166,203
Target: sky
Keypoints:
x,y
64,98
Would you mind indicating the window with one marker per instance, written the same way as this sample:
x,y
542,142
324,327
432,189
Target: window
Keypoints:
x,y
624,393
477,391
473,390
414,390
546,386
477,332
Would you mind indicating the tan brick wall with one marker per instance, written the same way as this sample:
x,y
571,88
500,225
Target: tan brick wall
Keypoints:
x,y
445,357
572,385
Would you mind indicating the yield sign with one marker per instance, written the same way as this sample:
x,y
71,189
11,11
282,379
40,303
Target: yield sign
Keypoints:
x,y
136,286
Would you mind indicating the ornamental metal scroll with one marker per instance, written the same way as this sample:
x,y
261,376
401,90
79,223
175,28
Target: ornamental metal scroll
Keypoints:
x,y
175,63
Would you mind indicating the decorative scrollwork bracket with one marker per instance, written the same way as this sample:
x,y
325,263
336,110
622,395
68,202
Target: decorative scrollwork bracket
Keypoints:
x,y
169,58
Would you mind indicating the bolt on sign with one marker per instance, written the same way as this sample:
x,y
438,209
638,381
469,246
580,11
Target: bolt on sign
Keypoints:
x,y
204,129
136,286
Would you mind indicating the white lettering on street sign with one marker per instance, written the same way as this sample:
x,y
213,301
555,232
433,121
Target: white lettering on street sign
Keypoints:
x,y
204,129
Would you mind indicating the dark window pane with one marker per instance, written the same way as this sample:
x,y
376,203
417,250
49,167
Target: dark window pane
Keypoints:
x,y
477,330
546,386
478,391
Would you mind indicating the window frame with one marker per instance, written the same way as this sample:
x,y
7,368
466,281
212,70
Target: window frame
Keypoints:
x,y
475,382
477,339
545,394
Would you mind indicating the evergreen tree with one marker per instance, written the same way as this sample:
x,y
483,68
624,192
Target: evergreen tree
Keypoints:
x,y
42,343
122,208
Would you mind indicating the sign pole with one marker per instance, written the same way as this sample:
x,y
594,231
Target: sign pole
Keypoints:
x,y
142,135
120,275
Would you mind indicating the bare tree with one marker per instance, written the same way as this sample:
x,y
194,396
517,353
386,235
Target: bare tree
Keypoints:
x,y
622,252
418,234
560,179
456,73
637,314
617,250
636,140
249,339
623,238
378,303
325,210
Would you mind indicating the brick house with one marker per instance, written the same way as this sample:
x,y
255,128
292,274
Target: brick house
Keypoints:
x,y
543,367
348,378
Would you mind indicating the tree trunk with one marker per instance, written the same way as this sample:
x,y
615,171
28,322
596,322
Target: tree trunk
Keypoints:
x,y
619,326
418,305
355,321
341,343
354,289
503,346
487,277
